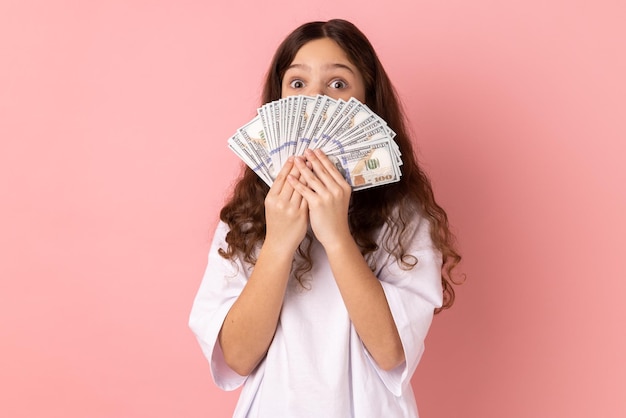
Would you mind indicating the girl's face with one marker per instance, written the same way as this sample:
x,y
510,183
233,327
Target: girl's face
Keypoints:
x,y
322,67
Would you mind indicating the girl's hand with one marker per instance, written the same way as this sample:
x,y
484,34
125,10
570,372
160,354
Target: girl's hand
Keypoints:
x,y
326,193
286,213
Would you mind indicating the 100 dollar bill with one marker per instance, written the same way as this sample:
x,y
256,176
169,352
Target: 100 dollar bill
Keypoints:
x,y
358,141
367,165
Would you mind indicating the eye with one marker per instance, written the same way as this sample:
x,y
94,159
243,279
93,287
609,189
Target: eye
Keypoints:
x,y
296,84
338,84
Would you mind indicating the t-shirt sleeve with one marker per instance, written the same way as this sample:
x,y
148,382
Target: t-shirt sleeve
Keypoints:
x,y
412,295
222,283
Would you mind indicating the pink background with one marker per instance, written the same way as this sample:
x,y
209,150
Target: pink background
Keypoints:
x,y
114,117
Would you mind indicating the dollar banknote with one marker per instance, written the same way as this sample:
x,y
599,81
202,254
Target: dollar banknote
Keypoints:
x,y
355,139
367,165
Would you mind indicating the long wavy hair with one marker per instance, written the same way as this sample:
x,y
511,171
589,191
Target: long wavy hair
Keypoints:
x,y
393,204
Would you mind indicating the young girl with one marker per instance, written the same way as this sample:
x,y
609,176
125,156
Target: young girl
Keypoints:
x,y
316,299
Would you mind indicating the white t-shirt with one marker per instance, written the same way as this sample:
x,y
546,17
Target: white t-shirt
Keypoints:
x,y
316,365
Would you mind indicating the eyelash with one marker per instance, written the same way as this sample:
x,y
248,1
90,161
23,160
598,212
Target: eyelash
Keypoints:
x,y
344,84
339,81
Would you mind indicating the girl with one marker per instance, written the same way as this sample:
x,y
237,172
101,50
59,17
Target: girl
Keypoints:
x,y
316,299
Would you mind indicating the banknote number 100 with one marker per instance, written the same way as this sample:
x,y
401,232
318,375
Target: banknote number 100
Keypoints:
x,y
383,178
372,163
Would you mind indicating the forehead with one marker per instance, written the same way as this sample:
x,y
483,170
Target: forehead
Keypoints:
x,y
323,50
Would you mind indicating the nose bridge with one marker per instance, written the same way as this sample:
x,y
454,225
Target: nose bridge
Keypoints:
x,y
316,84
315,88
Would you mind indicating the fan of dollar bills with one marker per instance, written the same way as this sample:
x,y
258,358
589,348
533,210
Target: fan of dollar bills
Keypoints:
x,y
355,139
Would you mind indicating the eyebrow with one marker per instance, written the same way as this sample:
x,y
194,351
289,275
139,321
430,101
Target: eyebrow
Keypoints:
x,y
325,67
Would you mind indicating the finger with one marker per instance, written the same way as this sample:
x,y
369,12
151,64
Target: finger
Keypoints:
x,y
324,172
307,176
329,167
301,189
294,169
281,178
296,197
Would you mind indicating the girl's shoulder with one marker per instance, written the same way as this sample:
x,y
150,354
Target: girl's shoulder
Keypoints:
x,y
406,230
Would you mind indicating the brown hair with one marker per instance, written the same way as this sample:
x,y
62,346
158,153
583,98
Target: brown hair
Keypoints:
x,y
394,204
